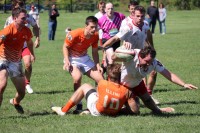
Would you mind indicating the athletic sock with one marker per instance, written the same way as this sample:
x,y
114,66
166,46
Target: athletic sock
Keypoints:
x,y
68,106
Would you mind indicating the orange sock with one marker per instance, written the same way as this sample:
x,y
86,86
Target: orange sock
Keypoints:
x,y
68,106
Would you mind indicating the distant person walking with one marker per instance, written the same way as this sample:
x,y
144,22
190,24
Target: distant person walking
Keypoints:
x,y
53,14
152,15
162,16
35,14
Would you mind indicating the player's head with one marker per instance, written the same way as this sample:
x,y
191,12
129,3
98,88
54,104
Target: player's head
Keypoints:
x,y
101,6
131,6
91,23
138,15
18,3
19,16
109,9
114,72
152,2
146,56
161,5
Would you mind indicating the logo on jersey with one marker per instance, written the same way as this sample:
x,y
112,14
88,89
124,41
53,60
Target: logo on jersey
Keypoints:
x,y
69,37
2,37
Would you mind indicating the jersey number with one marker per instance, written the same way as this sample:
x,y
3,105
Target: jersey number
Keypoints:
x,y
114,103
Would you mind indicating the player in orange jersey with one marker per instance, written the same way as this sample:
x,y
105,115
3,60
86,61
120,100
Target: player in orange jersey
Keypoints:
x,y
108,99
76,59
12,40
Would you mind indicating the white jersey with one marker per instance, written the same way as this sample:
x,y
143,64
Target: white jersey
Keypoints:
x,y
98,15
34,14
30,22
132,74
133,34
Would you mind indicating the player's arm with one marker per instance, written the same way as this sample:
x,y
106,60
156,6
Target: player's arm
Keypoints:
x,y
149,103
95,56
67,64
30,47
175,79
149,38
111,41
36,32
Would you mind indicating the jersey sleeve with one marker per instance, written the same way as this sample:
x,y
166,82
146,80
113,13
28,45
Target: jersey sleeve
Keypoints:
x,y
71,38
158,66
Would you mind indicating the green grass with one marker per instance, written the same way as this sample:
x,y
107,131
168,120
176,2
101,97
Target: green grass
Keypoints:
x,y
178,50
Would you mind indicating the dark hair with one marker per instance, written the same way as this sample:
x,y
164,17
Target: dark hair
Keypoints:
x,y
162,5
19,2
140,8
114,72
91,19
101,3
17,11
147,50
133,3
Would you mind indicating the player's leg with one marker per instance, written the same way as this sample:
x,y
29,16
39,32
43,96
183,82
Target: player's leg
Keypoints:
x,y
94,74
3,82
77,76
18,80
26,56
74,100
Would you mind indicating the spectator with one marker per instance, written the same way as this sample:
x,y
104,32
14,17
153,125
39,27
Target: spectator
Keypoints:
x,y
35,14
152,16
53,14
101,8
162,18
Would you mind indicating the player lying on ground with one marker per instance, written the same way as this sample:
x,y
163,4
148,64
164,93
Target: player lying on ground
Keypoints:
x,y
107,100
134,70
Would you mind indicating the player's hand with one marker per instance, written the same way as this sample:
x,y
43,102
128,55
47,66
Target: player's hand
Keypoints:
x,y
67,65
190,86
32,58
127,45
100,69
167,110
37,43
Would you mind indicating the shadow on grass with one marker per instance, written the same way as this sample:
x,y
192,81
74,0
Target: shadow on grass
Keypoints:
x,y
180,102
170,114
52,92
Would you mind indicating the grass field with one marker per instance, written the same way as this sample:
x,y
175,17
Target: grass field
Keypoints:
x,y
178,50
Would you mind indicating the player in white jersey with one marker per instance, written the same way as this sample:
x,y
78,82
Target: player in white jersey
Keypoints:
x,y
135,32
26,55
140,66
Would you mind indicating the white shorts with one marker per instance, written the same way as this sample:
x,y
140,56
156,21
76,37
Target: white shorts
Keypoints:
x,y
14,69
84,63
91,104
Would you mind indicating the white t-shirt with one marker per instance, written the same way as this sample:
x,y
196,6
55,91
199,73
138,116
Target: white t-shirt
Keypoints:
x,y
98,15
34,14
132,74
133,34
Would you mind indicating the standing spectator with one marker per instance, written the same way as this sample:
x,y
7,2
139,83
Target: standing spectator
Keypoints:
x,y
76,59
35,14
110,24
53,14
162,18
101,8
12,40
26,54
152,15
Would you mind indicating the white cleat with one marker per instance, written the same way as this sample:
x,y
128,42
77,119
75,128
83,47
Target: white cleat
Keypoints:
x,y
85,112
29,89
58,110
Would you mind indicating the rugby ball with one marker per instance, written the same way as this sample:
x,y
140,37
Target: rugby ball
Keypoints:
x,y
124,54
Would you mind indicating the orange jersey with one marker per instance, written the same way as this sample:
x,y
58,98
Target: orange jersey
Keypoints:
x,y
112,97
12,44
78,44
